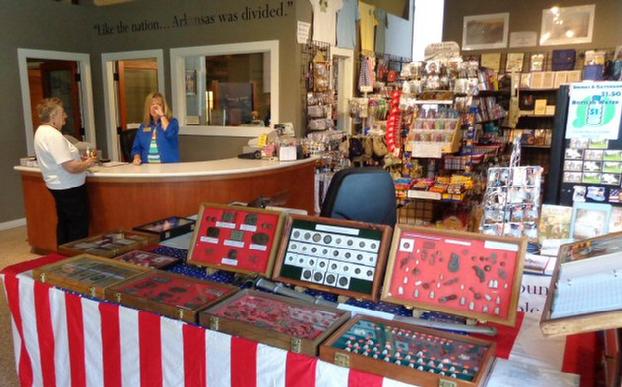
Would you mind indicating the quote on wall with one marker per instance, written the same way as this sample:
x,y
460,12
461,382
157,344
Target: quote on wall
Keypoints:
x,y
255,12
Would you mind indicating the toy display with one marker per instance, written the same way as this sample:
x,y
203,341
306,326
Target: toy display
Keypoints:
x,y
586,288
462,273
410,354
147,259
87,274
109,244
168,227
239,239
279,321
340,256
172,295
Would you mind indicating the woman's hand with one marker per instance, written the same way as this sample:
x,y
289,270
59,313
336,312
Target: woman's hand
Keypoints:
x,y
137,160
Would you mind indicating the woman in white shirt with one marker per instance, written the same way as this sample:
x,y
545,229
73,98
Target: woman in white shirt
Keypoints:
x,y
63,171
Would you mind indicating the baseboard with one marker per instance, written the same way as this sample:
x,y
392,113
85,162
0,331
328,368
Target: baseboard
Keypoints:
x,y
12,224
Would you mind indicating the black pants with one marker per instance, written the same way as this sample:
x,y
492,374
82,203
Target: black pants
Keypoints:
x,y
72,210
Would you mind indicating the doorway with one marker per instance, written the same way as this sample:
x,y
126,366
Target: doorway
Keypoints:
x,y
65,75
343,62
128,78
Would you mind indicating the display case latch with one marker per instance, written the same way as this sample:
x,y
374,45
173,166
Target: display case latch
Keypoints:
x,y
180,314
296,345
213,323
93,291
342,360
447,383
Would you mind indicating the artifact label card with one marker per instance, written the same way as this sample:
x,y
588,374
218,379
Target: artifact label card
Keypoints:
x,y
236,238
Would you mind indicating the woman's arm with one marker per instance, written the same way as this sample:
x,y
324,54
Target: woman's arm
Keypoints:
x,y
172,129
75,166
137,149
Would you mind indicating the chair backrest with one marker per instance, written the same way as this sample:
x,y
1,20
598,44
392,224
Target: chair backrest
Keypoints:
x,y
363,194
126,139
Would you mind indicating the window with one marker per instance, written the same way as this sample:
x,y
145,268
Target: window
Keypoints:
x,y
226,90
428,27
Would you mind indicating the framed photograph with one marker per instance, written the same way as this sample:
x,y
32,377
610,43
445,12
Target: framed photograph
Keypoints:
x,y
514,62
589,220
555,222
536,62
191,82
485,31
567,25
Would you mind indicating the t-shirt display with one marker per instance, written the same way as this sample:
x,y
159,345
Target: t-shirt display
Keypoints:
x,y
325,19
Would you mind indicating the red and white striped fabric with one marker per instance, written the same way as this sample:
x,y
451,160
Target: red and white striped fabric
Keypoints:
x,y
62,339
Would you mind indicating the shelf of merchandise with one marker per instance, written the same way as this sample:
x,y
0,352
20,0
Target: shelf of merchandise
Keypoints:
x,y
434,102
537,115
536,146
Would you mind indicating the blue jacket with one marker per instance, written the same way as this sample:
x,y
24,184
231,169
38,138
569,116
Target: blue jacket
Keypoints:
x,y
168,142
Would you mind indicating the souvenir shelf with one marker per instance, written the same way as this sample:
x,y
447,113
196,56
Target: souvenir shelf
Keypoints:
x,y
239,239
169,294
585,288
109,244
278,321
419,356
87,274
335,255
472,275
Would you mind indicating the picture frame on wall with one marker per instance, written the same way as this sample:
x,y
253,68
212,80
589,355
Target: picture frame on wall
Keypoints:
x,y
514,62
485,31
536,62
567,25
191,82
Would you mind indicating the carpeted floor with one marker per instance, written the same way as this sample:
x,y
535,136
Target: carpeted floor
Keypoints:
x,y
14,248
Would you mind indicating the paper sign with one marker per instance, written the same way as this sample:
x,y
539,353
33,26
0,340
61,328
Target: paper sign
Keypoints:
x,y
303,32
523,39
594,110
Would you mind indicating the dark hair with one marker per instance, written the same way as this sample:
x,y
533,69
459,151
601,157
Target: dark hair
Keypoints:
x,y
47,107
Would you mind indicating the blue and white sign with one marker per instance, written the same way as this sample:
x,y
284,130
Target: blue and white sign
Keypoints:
x,y
594,110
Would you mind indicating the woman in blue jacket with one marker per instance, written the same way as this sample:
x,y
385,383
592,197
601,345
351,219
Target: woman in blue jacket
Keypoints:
x,y
157,139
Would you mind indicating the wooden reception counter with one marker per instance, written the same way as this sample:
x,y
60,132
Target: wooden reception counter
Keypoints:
x,y
126,196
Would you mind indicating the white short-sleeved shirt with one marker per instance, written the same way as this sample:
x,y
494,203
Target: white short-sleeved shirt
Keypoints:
x,y
52,150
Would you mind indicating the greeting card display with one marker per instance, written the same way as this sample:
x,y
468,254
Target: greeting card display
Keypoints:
x,y
278,321
110,244
462,273
240,239
172,295
87,274
422,357
586,288
147,259
168,227
335,255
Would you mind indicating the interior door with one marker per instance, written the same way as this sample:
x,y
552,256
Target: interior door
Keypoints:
x,y
137,78
60,79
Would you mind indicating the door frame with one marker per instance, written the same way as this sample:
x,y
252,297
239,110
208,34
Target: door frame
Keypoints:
x,y
110,97
86,90
344,86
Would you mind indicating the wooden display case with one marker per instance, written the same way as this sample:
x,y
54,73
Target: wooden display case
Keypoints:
x,y
238,239
168,228
110,244
472,275
172,295
87,274
147,259
585,287
335,255
278,321
410,354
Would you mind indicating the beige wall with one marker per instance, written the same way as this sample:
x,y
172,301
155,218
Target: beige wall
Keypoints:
x,y
526,15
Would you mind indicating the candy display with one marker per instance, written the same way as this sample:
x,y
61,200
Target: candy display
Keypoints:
x,y
87,274
409,354
462,273
109,244
172,295
340,256
239,239
275,320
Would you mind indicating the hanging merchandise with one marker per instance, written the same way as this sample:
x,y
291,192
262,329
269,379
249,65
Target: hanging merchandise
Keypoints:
x,y
325,20
394,124
366,75
382,24
368,23
346,24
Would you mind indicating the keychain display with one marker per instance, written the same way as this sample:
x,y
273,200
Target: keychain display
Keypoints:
x,y
511,202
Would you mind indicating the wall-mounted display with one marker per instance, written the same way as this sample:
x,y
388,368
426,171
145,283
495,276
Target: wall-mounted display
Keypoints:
x,y
169,294
462,273
400,351
567,25
514,62
87,274
147,259
168,227
278,321
239,239
481,32
334,255
585,288
109,244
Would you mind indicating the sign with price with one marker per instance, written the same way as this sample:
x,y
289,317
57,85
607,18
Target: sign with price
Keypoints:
x,y
594,110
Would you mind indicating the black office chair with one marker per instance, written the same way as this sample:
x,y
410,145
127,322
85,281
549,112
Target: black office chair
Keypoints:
x,y
363,194
126,139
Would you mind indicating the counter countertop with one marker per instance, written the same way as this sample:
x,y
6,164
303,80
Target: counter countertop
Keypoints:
x,y
189,169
